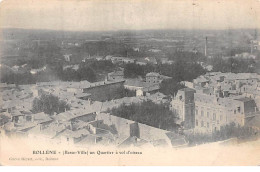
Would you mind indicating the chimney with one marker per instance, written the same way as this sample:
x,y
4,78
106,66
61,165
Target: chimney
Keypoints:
x,y
252,46
206,42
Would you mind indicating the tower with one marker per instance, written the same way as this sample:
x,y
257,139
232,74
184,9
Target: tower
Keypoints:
x,y
183,105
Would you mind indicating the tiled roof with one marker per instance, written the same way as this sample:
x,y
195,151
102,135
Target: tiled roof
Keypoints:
x,y
152,74
244,99
137,83
41,117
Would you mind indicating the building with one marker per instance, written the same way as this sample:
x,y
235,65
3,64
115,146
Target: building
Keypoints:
x,y
137,49
115,59
116,75
201,81
131,133
211,113
208,113
141,88
166,61
154,77
154,50
67,57
218,100
104,90
244,56
183,105
151,60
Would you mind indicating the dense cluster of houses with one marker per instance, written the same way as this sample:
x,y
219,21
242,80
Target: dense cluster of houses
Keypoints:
x,y
86,123
119,59
204,106
217,99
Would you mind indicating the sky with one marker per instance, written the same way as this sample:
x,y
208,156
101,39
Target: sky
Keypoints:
x,y
100,15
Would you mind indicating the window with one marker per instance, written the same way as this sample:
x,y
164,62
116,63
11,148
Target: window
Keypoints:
x,y
202,123
28,118
202,113
196,112
221,117
207,114
207,124
217,121
238,109
197,123
214,116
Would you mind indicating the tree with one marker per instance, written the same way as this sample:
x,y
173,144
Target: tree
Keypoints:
x,y
102,65
86,73
133,70
17,78
182,70
49,104
148,112
234,65
170,87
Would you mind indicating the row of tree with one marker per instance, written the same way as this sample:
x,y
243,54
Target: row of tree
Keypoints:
x,y
133,70
89,71
234,65
180,70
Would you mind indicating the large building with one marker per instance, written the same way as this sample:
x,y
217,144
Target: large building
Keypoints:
x,y
105,90
154,77
141,88
212,112
207,113
217,99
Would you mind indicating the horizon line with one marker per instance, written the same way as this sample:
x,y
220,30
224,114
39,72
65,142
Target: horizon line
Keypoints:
x,y
169,29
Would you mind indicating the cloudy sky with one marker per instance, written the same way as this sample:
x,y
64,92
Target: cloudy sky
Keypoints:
x,y
94,15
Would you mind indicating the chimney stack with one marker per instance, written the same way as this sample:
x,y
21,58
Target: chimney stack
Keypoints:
x,y
252,47
206,46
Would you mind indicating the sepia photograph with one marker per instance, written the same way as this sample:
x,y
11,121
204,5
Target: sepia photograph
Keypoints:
x,y
130,83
